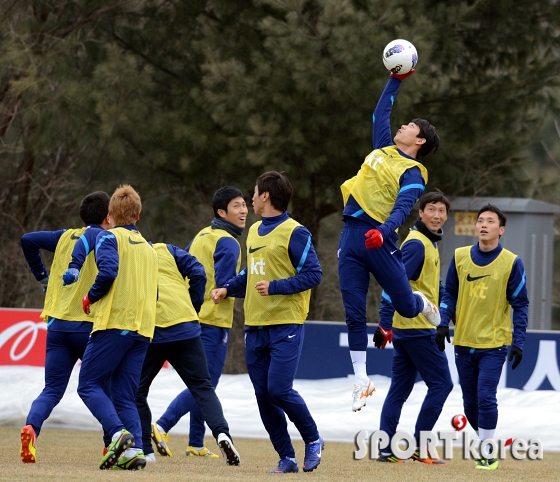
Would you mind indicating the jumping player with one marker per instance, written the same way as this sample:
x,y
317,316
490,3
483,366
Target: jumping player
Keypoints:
x,y
483,283
283,267
67,328
123,296
376,202
217,248
415,350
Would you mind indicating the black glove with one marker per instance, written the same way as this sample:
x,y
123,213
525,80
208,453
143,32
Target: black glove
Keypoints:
x,y
381,337
517,353
442,333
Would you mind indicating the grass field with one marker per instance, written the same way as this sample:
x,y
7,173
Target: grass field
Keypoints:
x,y
75,455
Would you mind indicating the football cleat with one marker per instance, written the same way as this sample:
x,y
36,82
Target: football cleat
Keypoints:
x,y
313,452
134,462
28,451
192,452
486,464
116,448
161,439
430,311
359,395
389,459
285,466
429,461
228,450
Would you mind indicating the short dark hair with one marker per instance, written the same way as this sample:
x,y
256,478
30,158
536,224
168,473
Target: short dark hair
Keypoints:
x,y
278,187
490,207
94,207
434,197
428,132
223,196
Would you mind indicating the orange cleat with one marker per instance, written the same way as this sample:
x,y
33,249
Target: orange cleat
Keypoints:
x,y
28,451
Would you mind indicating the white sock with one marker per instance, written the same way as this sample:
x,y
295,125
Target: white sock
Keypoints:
x,y
160,429
485,434
359,365
116,435
198,448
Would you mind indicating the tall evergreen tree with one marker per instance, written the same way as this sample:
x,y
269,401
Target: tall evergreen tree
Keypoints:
x,y
179,98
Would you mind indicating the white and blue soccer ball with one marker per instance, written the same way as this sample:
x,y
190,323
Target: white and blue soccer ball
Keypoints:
x,y
400,56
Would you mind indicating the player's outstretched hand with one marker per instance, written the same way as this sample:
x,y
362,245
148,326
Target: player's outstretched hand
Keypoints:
x,y
381,337
374,239
86,303
44,282
71,276
442,334
517,353
403,76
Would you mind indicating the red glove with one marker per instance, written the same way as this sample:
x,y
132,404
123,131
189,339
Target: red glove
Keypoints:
x,y
403,76
86,304
374,239
381,337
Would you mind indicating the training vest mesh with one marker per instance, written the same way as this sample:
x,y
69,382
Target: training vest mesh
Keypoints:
x,y
376,186
130,304
203,248
268,259
65,302
174,303
483,312
427,283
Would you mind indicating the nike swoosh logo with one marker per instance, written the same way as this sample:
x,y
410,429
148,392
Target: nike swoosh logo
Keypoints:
x,y
73,236
291,336
393,252
474,278
134,242
252,250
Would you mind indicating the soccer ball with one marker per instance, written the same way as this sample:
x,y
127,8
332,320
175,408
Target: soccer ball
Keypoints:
x,y
400,56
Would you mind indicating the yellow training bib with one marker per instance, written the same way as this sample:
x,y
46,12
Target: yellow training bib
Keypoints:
x,y
268,259
376,186
130,304
483,312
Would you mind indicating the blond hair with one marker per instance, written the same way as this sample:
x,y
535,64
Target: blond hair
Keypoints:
x,y
125,205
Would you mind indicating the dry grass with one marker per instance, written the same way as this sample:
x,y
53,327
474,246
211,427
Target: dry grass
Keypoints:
x,y
74,455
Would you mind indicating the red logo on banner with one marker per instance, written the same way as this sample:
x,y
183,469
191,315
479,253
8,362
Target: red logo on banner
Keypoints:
x,y
23,337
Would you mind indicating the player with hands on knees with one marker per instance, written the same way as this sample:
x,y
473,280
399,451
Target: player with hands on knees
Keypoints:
x,y
484,282
377,201
414,349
